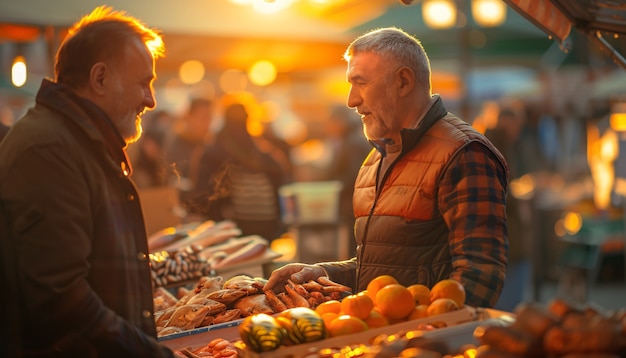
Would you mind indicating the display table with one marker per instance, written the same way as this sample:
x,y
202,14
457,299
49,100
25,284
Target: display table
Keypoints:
x,y
200,336
259,266
256,267
461,325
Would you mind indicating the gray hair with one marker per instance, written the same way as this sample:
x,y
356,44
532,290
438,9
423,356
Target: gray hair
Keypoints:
x,y
398,47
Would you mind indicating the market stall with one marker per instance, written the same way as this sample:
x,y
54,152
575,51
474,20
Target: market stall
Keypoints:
x,y
268,329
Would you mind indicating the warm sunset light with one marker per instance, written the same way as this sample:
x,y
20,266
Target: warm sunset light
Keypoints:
x,y
523,187
233,81
270,7
191,72
489,13
18,71
262,73
439,14
270,110
572,222
255,128
286,246
309,151
601,153
618,117
292,130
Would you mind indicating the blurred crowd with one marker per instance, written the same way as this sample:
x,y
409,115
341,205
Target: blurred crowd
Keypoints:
x,y
207,147
224,169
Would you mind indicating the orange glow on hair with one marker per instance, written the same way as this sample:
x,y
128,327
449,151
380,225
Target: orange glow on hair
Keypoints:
x,y
150,37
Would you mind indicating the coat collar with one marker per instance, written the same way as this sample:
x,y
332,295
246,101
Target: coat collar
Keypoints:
x,y
88,116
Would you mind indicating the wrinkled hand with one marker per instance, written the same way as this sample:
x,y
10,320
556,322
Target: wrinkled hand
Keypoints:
x,y
298,273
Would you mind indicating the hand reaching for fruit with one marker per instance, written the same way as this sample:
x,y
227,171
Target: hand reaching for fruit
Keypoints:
x,y
298,273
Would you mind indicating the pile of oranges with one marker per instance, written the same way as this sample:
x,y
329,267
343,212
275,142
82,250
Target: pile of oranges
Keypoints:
x,y
385,302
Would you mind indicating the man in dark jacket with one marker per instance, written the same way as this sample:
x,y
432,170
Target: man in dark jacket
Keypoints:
x,y
429,201
75,256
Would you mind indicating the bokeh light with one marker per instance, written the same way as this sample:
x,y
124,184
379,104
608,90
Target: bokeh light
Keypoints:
x,y
262,73
233,81
18,71
191,72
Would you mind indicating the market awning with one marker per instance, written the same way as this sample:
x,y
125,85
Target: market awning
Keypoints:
x,y
602,21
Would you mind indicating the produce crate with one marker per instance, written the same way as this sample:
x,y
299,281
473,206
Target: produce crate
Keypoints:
x,y
460,335
451,319
460,328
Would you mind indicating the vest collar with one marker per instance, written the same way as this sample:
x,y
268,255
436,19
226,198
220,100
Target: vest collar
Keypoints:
x,y
411,136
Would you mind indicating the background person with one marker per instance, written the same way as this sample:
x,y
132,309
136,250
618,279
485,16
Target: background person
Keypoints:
x,y
240,180
75,255
511,138
183,152
430,202
150,169
349,147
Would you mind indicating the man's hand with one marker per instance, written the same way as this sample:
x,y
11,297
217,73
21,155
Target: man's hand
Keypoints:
x,y
298,273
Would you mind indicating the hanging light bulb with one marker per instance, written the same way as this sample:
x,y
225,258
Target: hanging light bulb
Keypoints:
x,y
439,14
489,13
18,71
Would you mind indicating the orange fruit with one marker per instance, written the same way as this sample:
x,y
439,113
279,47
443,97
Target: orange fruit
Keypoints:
x,y
377,283
329,317
448,288
421,294
359,305
333,306
420,311
441,305
376,319
395,301
346,324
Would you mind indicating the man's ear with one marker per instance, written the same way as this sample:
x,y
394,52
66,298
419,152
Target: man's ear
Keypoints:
x,y
406,77
97,77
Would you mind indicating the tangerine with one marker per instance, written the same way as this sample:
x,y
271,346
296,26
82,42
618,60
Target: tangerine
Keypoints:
x,y
376,319
420,311
377,283
346,324
329,317
333,306
421,294
441,305
359,305
395,301
448,288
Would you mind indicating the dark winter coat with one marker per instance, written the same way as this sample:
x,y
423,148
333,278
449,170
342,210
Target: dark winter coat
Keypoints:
x,y
80,277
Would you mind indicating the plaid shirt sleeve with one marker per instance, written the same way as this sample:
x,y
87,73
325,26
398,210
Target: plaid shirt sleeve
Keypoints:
x,y
471,198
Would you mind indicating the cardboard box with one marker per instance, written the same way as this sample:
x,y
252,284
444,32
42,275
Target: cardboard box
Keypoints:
x,y
160,207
